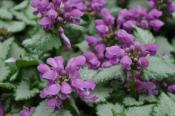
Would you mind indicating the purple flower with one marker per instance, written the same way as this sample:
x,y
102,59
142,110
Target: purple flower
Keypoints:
x,y
114,51
156,24
124,37
102,29
92,60
26,111
128,18
83,88
107,17
104,25
95,5
154,13
126,62
54,103
50,90
146,87
129,25
151,48
59,12
45,22
171,88
66,88
65,38
166,5
143,62
60,78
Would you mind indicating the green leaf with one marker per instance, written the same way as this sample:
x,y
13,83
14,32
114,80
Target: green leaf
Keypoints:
x,y
129,101
83,46
107,74
102,93
101,75
23,17
14,76
136,3
77,27
109,109
140,111
87,74
144,36
164,45
160,67
25,63
7,3
7,85
16,51
5,47
172,96
4,71
5,14
12,26
43,110
42,41
22,5
23,91
165,107
148,99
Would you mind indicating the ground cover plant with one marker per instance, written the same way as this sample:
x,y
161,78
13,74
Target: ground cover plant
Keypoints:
x,y
87,58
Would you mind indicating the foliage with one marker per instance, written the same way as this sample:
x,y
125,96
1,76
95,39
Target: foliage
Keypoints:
x,y
24,44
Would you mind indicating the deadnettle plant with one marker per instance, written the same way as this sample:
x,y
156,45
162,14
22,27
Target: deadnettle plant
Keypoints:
x,y
57,13
102,56
105,26
130,54
63,81
129,18
166,6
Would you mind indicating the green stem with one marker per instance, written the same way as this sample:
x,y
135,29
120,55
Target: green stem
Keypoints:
x,y
72,101
133,88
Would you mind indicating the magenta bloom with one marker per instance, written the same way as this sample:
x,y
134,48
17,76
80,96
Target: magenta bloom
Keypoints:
x,y
143,62
104,25
126,62
128,18
166,5
124,37
171,88
151,48
27,111
95,5
61,80
146,87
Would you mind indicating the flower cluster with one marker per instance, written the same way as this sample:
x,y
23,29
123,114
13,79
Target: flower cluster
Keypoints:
x,y
163,5
105,25
95,5
62,81
102,56
128,18
146,87
27,111
57,13
130,54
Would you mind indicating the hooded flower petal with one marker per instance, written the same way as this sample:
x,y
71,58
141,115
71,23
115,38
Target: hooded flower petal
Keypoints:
x,y
51,90
66,88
